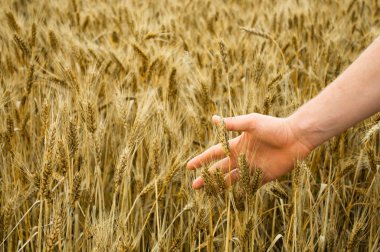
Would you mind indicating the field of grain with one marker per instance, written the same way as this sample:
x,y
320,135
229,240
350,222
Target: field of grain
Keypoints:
x,y
102,103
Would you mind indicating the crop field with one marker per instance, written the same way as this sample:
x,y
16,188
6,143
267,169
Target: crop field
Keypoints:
x,y
102,104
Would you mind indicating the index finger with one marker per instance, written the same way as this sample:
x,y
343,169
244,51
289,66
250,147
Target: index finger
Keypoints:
x,y
211,154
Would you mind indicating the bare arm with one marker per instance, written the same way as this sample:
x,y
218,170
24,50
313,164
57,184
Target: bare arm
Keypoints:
x,y
352,97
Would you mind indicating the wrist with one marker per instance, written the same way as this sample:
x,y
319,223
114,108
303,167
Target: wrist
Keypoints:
x,y
305,129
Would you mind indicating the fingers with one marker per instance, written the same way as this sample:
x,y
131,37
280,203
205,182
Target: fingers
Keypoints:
x,y
230,179
236,123
222,165
211,154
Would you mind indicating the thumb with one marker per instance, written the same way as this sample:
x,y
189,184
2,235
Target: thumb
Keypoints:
x,y
236,123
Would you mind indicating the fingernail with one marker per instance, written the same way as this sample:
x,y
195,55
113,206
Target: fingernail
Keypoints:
x,y
215,118
188,166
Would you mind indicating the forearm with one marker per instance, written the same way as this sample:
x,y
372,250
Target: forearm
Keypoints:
x,y
352,97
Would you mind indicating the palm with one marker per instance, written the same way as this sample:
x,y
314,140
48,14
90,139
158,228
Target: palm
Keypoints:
x,y
268,143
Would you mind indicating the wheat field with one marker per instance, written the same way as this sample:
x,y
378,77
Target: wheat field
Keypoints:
x,y
102,103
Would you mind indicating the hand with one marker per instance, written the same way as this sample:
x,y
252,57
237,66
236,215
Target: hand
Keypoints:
x,y
269,143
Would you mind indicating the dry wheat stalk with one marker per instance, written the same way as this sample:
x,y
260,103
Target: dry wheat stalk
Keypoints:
x,y
128,88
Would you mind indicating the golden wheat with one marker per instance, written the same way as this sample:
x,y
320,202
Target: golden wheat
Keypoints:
x,y
103,103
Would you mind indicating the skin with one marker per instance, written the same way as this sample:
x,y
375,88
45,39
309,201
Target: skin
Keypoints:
x,y
274,144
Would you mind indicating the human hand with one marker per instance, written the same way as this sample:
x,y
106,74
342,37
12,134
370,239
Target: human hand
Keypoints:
x,y
269,143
